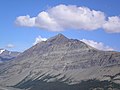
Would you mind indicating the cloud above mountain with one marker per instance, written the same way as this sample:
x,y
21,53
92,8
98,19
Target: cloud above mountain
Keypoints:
x,y
39,39
97,45
62,17
112,25
10,46
25,21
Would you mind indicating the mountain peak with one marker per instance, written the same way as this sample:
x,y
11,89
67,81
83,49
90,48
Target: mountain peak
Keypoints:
x,y
60,35
60,38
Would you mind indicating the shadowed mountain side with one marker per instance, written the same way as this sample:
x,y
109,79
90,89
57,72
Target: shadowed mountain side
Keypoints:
x,y
42,84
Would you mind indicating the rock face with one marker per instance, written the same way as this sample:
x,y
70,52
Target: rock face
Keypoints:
x,y
60,58
8,88
6,55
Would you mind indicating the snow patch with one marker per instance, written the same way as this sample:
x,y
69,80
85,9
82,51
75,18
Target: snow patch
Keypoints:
x,y
1,51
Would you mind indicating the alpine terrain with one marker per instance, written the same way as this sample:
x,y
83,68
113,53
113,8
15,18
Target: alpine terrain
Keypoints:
x,y
61,64
6,55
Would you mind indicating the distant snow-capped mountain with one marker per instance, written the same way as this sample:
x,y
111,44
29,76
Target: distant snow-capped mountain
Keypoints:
x,y
6,55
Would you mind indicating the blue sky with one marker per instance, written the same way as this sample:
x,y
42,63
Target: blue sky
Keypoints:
x,y
21,37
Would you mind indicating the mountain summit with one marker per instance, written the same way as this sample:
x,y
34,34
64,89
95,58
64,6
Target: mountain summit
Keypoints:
x,y
59,58
58,39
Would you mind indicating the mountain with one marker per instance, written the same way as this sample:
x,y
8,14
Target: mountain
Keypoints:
x,y
58,63
8,88
6,55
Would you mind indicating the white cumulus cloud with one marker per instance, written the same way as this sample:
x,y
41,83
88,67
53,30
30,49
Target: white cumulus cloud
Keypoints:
x,y
10,46
112,25
45,21
39,39
62,17
97,45
75,17
25,21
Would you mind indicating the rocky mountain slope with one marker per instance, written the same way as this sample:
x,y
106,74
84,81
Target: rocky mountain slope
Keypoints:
x,y
59,59
6,55
8,88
